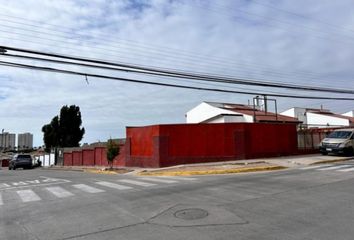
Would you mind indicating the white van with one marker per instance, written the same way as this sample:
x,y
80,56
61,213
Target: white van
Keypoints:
x,y
339,141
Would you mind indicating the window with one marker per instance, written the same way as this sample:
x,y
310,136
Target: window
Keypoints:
x,y
340,134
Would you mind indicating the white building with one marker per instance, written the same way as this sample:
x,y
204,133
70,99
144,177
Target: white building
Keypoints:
x,y
24,141
319,118
7,141
214,112
349,114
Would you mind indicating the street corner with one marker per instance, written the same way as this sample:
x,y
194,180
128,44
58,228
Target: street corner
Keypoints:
x,y
332,159
107,171
224,169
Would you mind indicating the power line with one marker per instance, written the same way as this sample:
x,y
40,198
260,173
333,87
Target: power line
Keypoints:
x,y
120,69
179,74
85,74
132,42
333,26
328,35
196,60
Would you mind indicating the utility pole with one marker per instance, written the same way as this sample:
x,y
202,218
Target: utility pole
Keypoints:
x,y
265,103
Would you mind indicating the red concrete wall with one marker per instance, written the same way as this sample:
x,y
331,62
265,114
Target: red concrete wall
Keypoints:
x,y
88,157
142,142
100,156
270,140
5,163
119,161
77,158
93,157
167,145
68,159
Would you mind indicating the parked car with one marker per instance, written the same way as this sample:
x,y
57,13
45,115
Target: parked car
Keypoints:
x,y
340,141
21,161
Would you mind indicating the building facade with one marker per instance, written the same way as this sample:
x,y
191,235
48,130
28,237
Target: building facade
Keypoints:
x,y
7,141
319,118
25,141
215,112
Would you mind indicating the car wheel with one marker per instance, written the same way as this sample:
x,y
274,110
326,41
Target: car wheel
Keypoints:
x,y
10,168
324,153
349,152
14,168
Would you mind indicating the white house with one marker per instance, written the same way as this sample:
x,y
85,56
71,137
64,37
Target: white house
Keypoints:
x,y
214,112
349,114
319,118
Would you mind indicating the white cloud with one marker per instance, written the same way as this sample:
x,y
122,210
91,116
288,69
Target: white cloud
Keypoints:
x,y
223,37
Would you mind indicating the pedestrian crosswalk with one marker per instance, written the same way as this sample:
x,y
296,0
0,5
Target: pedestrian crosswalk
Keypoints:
x,y
331,167
72,189
28,195
113,185
87,188
334,167
139,183
59,192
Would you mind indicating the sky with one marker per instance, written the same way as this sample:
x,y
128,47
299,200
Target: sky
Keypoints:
x,y
298,42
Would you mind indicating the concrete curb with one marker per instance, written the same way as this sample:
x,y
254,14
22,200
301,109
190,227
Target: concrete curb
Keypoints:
x,y
99,171
333,161
209,172
62,169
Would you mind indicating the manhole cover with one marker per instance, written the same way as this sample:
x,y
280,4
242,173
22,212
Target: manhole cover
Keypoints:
x,y
191,214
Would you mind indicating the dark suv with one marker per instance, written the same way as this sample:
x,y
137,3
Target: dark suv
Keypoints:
x,y
21,161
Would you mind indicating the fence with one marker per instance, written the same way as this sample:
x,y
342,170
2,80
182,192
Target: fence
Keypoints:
x,y
309,139
47,159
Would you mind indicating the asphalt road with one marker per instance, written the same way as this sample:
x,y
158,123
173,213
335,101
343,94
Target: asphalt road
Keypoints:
x,y
310,203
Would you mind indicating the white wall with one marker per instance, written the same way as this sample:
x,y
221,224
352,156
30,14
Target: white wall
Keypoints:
x,y
227,119
203,112
349,114
320,119
47,160
296,112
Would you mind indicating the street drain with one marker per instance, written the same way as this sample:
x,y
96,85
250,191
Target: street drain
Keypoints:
x,y
191,214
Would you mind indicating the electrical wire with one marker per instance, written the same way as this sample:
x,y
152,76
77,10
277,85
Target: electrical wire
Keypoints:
x,y
85,74
179,74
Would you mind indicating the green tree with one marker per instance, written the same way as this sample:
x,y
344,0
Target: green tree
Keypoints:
x,y
64,130
69,126
112,151
51,134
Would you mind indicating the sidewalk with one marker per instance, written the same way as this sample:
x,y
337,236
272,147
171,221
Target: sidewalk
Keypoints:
x,y
237,166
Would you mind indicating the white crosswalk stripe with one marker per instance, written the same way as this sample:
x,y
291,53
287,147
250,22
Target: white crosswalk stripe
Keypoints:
x,y
347,169
139,183
159,180
59,192
316,166
333,167
87,188
113,185
179,178
28,195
